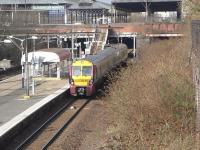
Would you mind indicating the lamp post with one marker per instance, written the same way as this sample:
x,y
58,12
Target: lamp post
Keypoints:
x,y
134,44
26,69
72,45
10,40
33,64
146,9
78,47
21,47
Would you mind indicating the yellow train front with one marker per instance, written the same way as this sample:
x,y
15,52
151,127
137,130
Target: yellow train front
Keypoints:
x,y
86,74
81,78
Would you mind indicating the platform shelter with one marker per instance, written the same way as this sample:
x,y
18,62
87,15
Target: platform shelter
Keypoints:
x,y
49,63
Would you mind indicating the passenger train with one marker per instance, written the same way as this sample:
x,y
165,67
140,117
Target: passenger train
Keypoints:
x,y
86,74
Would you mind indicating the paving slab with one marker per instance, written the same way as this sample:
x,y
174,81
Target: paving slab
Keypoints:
x,y
12,101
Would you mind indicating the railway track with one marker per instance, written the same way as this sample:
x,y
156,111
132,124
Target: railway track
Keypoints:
x,y
64,117
4,74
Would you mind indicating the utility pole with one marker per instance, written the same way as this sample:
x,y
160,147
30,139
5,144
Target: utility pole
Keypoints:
x,y
33,65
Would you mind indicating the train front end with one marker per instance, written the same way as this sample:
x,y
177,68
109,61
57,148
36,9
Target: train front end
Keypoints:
x,y
81,78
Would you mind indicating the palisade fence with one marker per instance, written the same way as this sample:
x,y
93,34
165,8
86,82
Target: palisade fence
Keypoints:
x,y
20,18
28,17
196,71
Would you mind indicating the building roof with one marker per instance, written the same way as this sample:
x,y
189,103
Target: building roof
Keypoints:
x,y
90,5
38,1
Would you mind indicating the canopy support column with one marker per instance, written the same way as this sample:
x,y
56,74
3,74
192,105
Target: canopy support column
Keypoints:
x,y
58,70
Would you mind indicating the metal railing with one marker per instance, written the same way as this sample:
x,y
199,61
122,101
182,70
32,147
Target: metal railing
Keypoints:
x,y
155,18
31,17
196,72
45,17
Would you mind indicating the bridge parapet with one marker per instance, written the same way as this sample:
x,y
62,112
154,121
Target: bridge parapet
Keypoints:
x,y
149,28
164,28
84,31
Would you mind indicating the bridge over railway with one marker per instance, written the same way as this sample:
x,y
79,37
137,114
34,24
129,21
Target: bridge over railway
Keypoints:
x,y
93,38
90,24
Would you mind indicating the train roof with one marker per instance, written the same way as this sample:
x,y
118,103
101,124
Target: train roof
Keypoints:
x,y
109,50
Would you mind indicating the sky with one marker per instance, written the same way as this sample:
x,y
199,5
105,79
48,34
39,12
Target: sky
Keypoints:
x,y
106,1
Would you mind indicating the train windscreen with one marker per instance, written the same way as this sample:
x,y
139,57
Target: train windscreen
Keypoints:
x,y
76,71
87,71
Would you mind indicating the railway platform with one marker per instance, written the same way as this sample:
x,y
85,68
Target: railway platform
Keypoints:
x,y
13,107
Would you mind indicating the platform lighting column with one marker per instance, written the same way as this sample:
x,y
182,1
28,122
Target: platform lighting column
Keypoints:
x,y
114,15
118,38
39,18
146,9
21,47
48,41
126,17
26,60
65,15
92,21
72,43
22,68
12,16
103,22
26,68
33,68
80,51
33,65
134,44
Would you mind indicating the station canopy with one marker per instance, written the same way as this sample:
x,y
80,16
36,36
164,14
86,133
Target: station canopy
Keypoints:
x,y
51,55
140,5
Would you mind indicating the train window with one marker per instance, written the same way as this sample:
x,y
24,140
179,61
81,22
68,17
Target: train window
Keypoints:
x,y
76,71
87,71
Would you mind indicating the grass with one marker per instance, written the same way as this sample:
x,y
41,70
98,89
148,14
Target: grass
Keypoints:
x,y
151,102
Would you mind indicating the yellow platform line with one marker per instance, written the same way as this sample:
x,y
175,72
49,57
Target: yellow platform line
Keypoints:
x,y
46,79
24,98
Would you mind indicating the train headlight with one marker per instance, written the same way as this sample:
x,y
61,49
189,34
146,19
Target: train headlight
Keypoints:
x,y
90,82
72,82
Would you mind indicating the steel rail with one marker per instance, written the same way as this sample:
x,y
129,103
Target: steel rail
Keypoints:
x,y
8,73
67,123
53,117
